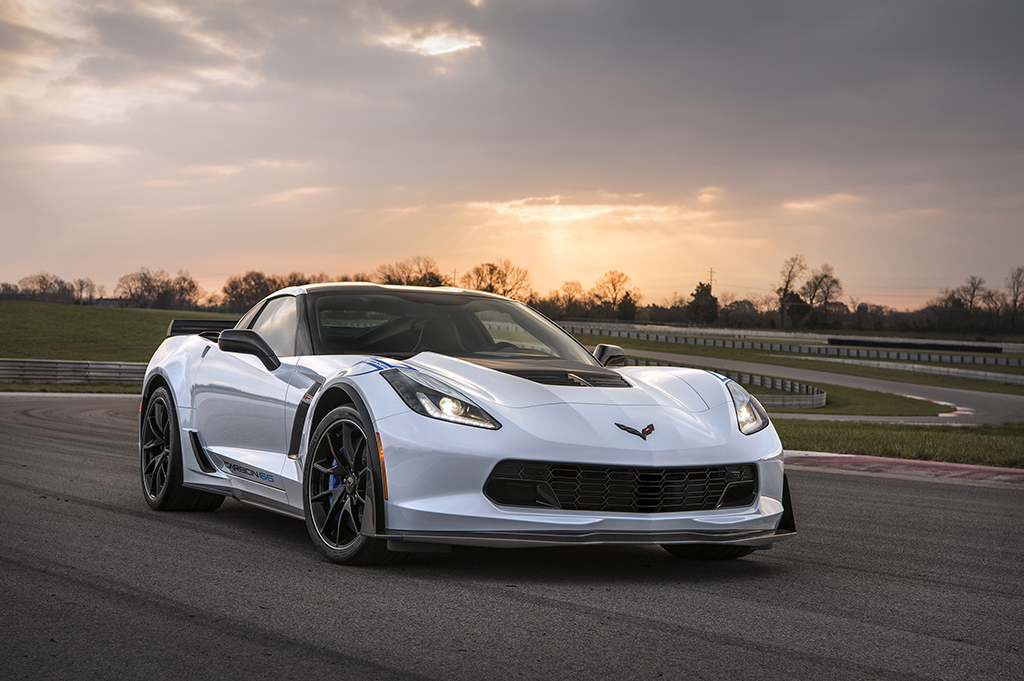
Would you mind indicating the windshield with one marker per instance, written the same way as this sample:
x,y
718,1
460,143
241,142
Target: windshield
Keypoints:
x,y
401,324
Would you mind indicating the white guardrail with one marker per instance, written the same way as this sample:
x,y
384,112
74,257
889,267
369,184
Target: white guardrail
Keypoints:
x,y
58,371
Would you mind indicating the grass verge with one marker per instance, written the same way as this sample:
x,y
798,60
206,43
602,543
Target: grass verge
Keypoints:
x,y
854,401
986,445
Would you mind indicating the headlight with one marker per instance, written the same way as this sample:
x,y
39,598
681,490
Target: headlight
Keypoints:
x,y
428,396
750,415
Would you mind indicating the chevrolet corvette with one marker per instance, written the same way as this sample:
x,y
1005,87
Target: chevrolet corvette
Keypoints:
x,y
396,420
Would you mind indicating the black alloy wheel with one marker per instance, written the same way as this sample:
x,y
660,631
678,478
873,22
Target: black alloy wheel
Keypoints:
x,y
161,465
339,491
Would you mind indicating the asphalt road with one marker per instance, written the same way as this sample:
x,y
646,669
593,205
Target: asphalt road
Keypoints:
x,y
888,579
987,407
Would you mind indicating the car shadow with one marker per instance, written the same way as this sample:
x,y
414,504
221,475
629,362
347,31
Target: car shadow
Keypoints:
x,y
549,565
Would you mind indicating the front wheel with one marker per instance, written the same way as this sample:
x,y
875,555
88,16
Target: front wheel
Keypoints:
x,y
707,551
338,492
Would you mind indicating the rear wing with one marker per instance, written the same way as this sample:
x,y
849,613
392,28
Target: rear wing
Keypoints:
x,y
191,327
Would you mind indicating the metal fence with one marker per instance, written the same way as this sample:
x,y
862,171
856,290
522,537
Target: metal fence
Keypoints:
x,y
827,350
56,371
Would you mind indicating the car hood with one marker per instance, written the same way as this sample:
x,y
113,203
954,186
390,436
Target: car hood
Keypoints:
x,y
518,384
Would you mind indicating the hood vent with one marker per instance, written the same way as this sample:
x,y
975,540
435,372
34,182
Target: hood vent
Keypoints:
x,y
554,372
586,379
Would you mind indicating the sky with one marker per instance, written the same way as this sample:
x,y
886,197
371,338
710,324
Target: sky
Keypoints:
x,y
661,139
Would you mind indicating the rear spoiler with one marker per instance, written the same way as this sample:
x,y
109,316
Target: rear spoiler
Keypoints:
x,y
191,327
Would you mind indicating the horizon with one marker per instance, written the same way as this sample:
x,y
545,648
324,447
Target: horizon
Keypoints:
x,y
662,140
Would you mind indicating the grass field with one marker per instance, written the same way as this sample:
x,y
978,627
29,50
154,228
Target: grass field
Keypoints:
x,y
986,445
32,330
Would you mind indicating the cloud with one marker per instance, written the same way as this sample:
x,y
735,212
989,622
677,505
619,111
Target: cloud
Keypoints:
x,y
292,195
822,203
100,62
74,153
431,42
557,209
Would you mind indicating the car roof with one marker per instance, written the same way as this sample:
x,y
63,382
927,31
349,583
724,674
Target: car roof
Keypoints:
x,y
367,287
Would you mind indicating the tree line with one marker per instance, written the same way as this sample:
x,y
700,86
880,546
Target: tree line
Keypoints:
x,y
801,298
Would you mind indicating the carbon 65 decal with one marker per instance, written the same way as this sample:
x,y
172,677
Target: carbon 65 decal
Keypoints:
x,y
254,474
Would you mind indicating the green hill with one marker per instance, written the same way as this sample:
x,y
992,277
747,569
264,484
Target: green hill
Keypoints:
x,y
33,330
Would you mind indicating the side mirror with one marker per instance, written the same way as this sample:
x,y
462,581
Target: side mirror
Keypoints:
x,y
610,355
248,342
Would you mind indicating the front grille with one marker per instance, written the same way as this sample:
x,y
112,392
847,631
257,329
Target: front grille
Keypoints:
x,y
623,489
594,379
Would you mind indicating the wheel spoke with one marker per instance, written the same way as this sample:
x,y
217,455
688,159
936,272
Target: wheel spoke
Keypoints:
x,y
349,446
332,470
348,514
337,451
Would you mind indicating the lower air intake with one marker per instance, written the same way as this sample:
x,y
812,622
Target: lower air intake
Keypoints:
x,y
623,489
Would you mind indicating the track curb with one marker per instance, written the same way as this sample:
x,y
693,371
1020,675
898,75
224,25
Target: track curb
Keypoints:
x,y
907,469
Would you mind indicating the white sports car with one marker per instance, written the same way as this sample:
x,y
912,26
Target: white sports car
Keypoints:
x,y
399,419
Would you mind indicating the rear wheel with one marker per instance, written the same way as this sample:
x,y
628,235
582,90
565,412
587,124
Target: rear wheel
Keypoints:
x,y
161,466
707,551
339,492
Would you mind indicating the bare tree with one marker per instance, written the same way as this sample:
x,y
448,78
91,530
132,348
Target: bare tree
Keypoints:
x,y
790,274
822,289
831,292
1015,294
48,287
186,290
500,277
85,290
994,302
970,293
417,271
764,302
612,286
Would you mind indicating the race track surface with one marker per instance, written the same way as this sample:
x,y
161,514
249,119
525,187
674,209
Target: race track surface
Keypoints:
x,y
889,578
987,407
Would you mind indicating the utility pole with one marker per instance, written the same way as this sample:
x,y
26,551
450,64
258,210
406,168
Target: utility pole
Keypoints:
x,y
711,279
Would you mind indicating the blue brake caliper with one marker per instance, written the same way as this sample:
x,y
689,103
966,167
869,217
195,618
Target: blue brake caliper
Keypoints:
x,y
334,481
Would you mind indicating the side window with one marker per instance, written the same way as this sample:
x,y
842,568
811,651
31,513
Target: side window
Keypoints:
x,y
246,320
278,324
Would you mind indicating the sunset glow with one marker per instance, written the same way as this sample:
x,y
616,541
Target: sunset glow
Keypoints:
x,y
571,138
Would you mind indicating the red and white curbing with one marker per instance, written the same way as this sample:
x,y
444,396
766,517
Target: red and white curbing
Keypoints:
x,y
957,409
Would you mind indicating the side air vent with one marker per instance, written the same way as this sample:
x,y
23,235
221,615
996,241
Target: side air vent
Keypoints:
x,y
201,456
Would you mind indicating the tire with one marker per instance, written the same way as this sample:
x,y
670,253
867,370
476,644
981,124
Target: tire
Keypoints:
x,y
160,460
707,551
338,490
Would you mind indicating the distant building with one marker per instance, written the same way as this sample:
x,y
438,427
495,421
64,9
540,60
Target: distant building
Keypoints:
x,y
112,302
